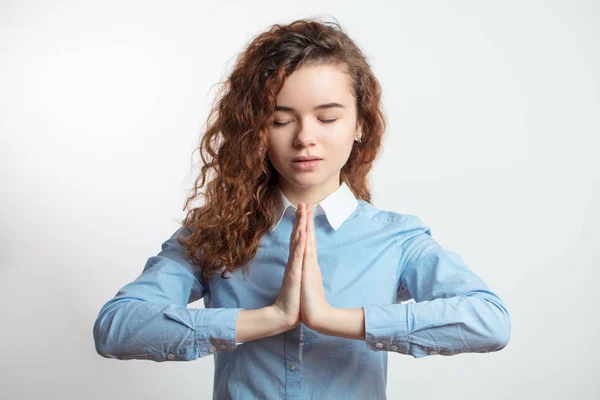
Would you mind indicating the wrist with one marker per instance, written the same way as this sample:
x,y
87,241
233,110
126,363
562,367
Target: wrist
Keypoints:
x,y
320,321
278,318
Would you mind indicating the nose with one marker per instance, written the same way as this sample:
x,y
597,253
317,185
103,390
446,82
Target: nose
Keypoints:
x,y
305,135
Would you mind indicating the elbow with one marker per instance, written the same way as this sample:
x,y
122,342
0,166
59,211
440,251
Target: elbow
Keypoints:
x,y
500,330
102,339
504,332
116,329
108,328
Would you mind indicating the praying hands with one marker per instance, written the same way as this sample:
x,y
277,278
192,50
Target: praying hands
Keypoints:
x,y
302,296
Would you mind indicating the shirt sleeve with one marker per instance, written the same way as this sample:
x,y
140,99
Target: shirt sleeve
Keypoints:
x,y
454,310
149,319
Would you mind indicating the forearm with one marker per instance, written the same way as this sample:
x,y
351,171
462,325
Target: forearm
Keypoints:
x,y
259,323
447,326
343,322
134,329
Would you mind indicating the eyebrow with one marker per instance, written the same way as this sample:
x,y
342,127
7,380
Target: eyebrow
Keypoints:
x,y
319,107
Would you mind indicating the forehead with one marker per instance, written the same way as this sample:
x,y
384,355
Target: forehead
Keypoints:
x,y
310,86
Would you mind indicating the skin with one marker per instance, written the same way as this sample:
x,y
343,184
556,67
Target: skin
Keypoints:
x,y
305,133
313,304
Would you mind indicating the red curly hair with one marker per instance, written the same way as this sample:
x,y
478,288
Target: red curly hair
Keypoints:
x,y
241,196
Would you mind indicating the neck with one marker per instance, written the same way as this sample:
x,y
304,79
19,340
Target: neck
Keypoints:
x,y
307,195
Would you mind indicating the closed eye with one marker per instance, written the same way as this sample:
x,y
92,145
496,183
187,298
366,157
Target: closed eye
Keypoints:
x,y
328,121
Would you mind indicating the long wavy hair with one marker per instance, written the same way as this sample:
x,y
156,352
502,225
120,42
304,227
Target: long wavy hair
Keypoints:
x,y
242,193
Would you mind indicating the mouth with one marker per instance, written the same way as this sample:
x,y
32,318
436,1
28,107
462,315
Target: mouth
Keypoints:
x,y
306,165
309,158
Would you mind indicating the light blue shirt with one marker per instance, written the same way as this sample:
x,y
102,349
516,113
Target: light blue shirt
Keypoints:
x,y
369,258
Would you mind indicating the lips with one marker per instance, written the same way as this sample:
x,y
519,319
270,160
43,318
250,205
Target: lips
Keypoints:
x,y
305,158
306,165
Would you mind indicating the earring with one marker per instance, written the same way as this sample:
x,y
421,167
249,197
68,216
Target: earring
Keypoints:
x,y
359,136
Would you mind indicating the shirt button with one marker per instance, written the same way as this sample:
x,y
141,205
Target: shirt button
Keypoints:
x,y
394,347
293,367
212,349
379,345
171,356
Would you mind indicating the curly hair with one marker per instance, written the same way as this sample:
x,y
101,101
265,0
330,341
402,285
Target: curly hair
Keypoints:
x,y
241,196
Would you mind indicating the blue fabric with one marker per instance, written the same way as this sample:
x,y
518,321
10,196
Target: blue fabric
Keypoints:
x,y
376,260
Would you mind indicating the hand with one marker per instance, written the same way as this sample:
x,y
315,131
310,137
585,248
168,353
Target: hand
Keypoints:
x,y
313,304
288,301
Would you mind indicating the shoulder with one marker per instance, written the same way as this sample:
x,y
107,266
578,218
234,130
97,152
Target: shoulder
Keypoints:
x,y
173,250
404,224
408,230
172,242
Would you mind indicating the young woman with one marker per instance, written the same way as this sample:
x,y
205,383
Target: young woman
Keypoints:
x,y
302,278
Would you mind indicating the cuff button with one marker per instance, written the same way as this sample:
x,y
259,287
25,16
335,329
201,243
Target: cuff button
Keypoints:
x,y
379,345
212,349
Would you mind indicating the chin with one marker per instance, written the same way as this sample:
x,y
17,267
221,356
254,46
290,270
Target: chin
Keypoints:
x,y
303,179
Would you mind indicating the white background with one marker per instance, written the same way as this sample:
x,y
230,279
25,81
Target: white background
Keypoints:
x,y
494,119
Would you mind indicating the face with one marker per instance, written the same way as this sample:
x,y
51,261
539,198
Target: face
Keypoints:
x,y
315,116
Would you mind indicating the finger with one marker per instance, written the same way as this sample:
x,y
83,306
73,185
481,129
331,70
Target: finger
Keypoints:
x,y
300,221
296,224
294,250
313,239
294,233
301,243
309,234
303,222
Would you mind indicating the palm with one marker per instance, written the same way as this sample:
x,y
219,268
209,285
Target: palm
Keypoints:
x,y
313,303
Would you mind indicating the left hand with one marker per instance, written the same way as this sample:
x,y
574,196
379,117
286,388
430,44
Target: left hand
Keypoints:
x,y
313,304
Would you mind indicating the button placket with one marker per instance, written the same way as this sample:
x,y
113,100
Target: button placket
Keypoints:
x,y
294,341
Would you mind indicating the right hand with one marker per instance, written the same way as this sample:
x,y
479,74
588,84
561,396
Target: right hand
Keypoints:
x,y
288,301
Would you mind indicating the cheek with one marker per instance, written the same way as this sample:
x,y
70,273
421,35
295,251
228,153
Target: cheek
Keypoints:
x,y
340,140
275,151
272,146
340,147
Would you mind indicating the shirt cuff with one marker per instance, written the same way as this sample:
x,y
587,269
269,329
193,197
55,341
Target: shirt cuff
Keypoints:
x,y
386,329
214,328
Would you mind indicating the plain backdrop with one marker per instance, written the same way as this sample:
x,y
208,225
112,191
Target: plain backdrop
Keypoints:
x,y
494,119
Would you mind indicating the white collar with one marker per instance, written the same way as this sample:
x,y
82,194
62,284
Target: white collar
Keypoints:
x,y
337,207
